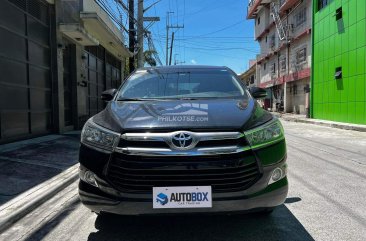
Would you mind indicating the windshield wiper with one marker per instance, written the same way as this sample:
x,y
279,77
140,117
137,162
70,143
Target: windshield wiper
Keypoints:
x,y
131,99
188,98
138,99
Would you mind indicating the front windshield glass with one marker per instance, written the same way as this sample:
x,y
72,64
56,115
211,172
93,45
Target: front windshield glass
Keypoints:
x,y
153,84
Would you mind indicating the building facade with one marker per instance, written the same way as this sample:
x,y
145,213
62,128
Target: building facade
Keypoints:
x,y
283,31
339,70
249,77
56,57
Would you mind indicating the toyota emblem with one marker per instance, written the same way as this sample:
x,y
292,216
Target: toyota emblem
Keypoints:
x,y
182,140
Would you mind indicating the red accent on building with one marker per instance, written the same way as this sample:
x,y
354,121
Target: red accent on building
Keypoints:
x,y
298,75
302,74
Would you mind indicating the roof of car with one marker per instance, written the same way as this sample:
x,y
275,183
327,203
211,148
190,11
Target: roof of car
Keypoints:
x,y
174,68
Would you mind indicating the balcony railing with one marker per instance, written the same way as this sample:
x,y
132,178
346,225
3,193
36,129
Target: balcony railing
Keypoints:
x,y
253,4
282,2
287,4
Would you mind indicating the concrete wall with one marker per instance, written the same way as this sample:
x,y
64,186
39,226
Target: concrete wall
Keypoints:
x,y
295,96
304,42
295,29
264,21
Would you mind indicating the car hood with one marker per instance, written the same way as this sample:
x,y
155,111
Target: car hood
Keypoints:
x,y
169,115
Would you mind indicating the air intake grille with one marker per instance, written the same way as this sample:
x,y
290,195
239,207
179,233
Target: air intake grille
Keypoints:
x,y
225,173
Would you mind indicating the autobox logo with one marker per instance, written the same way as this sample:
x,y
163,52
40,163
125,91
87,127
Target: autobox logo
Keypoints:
x,y
162,199
185,112
182,197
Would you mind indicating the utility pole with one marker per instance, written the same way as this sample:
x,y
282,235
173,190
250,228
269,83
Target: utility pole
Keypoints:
x,y
171,49
168,26
141,31
140,34
131,34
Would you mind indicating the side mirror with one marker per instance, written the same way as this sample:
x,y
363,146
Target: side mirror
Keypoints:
x,y
258,93
108,95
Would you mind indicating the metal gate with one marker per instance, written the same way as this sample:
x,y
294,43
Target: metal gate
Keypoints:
x,y
69,65
25,60
103,72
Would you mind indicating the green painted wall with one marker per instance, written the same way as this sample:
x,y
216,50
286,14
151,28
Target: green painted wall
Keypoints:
x,y
339,43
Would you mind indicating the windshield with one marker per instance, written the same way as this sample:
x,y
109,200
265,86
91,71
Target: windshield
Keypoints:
x,y
152,84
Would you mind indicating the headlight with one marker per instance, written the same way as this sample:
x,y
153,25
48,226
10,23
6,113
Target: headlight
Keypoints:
x,y
265,135
98,137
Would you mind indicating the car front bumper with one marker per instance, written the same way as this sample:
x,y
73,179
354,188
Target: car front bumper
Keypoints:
x,y
258,197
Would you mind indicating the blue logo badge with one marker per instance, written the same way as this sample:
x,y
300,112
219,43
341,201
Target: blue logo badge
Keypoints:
x,y
162,199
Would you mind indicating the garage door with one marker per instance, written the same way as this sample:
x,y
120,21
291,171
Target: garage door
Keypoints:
x,y
25,79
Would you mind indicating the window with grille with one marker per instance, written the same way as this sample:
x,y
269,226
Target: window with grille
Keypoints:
x,y
252,79
273,68
283,64
272,42
300,17
301,56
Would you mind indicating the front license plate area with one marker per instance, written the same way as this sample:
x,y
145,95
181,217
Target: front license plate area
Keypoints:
x,y
182,197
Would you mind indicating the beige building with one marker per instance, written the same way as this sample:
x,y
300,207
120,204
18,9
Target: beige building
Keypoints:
x,y
283,31
249,77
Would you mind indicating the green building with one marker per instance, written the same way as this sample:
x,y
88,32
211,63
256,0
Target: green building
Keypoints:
x,y
338,88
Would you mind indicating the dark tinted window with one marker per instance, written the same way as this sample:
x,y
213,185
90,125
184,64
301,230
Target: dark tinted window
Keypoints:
x,y
322,4
197,84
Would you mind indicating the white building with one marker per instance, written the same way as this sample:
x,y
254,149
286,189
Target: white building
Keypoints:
x,y
283,31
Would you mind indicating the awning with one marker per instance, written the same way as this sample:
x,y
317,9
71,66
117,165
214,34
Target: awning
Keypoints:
x,y
96,27
78,34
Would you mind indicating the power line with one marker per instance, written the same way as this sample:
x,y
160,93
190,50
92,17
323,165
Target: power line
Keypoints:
x,y
206,8
217,54
214,37
153,49
223,49
110,13
213,47
217,31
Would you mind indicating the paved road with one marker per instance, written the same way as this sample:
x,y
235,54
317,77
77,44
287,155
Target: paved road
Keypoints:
x,y
47,156
326,201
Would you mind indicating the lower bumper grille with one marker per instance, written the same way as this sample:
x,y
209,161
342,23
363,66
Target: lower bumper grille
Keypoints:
x,y
225,173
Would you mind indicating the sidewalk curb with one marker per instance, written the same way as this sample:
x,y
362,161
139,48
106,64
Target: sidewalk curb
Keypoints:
x,y
338,125
25,203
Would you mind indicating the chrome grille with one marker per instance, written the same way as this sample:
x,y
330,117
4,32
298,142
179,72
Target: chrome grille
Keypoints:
x,y
205,143
228,166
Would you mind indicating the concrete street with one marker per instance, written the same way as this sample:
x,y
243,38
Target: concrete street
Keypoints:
x,y
25,164
326,201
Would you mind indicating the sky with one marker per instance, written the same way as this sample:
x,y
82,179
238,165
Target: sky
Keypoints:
x,y
215,32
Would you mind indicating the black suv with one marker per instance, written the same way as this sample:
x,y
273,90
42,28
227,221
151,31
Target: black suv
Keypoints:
x,y
182,139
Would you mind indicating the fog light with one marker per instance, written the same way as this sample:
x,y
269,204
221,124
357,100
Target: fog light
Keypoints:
x,y
87,176
90,178
277,175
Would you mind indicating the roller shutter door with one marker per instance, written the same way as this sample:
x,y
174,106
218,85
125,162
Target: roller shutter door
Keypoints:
x,y
25,69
